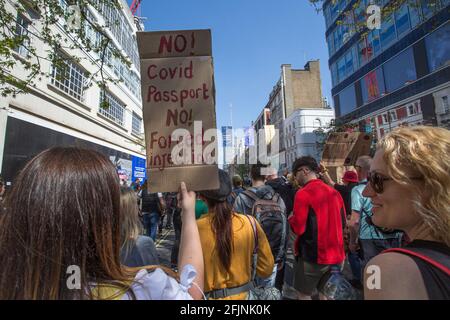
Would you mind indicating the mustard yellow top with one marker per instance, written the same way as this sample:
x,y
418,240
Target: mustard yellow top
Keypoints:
x,y
241,260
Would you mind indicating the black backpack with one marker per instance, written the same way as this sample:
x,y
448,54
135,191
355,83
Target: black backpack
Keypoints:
x,y
272,220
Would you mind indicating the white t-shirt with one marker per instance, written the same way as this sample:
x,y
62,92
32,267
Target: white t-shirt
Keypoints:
x,y
157,285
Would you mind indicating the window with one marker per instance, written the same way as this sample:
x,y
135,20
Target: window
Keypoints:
x,y
70,78
445,105
136,124
385,118
330,41
387,31
22,25
360,13
438,47
334,9
372,85
334,75
115,109
326,13
393,115
374,39
369,46
349,66
364,51
428,8
402,20
347,100
341,69
400,70
414,14
414,108
337,38
347,32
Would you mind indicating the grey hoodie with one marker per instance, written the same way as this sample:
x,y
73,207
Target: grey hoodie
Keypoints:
x,y
244,203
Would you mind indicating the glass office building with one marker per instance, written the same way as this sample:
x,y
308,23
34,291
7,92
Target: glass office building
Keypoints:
x,y
396,74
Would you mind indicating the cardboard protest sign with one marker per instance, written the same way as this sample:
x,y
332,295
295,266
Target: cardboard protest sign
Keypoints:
x,y
343,148
178,99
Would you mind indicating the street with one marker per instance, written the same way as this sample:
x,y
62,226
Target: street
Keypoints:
x,y
164,245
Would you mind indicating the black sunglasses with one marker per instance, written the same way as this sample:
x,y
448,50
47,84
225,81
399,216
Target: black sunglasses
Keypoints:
x,y
376,181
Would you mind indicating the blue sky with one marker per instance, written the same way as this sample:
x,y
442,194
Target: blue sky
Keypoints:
x,y
251,39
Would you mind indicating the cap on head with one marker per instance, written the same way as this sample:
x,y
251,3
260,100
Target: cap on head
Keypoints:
x,y
224,190
350,176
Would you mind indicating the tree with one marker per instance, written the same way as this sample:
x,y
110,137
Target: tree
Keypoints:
x,y
81,31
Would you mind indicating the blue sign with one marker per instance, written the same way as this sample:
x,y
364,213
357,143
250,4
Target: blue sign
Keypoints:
x,y
138,168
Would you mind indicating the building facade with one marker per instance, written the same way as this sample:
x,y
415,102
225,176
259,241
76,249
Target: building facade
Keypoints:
x,y
62,110
398,74
296,89
300,132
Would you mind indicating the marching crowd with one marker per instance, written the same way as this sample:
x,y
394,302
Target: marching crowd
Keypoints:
x,y
67,208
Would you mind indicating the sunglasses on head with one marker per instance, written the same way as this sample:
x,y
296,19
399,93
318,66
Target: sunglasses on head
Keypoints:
x,y
376,181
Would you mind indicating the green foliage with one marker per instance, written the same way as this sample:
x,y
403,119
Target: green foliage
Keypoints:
x,y
44,15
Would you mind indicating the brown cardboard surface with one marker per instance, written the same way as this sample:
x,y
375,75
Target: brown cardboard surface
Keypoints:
x,y
343,148
176,92
196,178
179,43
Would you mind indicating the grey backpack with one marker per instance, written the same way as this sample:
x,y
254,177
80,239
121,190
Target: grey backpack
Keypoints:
x,y
272,220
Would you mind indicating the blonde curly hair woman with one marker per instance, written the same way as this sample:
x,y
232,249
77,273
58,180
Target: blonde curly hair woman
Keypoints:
x,y
409,186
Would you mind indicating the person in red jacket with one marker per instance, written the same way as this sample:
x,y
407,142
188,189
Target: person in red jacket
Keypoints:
x,y
318,220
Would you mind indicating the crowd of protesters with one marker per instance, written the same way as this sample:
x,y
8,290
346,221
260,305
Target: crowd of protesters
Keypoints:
x,y
67,207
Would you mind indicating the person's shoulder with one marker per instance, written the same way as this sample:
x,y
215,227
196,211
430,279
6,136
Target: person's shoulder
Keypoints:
x,y
394,267
334,191
302,193
204,221
143,240
397,276
243,218
357,190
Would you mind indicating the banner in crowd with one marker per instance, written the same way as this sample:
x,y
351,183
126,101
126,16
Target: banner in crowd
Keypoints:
x,y
178,97
343,148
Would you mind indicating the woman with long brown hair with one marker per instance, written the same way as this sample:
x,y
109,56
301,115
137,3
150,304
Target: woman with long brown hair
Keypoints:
x,y
228,241
60,235
137,249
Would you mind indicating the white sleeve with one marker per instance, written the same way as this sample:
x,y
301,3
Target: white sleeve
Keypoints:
x,y
157,285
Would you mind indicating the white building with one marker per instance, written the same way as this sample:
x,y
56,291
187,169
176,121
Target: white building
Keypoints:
x,y
300,138
60,112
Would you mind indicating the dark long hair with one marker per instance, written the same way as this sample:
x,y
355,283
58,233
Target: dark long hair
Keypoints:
x,y
63,210
222,227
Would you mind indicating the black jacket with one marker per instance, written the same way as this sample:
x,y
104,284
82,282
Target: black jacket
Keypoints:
x,y
285,190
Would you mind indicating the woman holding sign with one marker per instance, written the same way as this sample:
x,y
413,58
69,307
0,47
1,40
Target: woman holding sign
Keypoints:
x,y
228,242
